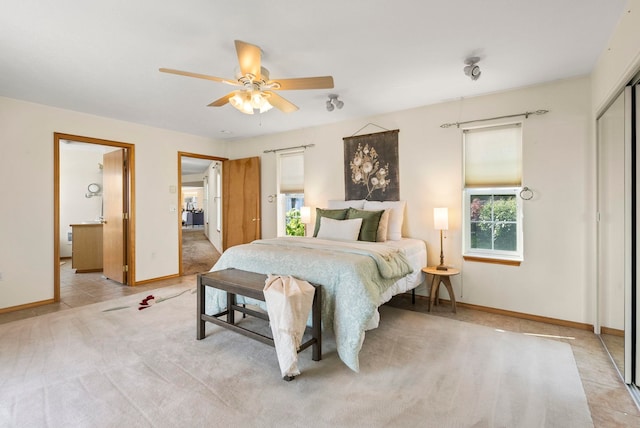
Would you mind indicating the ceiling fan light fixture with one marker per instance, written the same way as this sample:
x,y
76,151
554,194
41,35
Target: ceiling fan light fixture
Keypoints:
x,y
255,87
250,102
241,100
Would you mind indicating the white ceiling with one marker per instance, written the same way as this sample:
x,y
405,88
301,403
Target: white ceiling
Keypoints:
x,y
103,57
191,166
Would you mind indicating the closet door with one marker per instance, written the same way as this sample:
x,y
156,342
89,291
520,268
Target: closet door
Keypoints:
x,y
614,215
634,292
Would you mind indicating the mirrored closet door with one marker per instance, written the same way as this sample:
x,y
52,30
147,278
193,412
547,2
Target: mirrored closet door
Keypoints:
x,y
617,255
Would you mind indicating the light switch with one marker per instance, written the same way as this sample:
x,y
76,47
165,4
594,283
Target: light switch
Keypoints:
x,y
172,189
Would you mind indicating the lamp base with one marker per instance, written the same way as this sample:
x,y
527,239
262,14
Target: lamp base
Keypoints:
x,y
441,267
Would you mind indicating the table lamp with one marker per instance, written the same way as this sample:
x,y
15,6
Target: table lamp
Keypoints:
x,y
441,222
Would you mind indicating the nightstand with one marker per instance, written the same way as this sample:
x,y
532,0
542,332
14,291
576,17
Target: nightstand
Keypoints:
x,y
441,276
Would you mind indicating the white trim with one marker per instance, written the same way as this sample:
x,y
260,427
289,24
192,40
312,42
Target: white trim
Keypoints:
x,y
518,254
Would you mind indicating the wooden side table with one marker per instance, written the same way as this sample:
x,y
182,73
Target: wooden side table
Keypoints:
x,y
441,276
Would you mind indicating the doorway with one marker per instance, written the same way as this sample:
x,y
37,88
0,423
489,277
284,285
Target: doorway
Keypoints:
x,y
199,199
94,204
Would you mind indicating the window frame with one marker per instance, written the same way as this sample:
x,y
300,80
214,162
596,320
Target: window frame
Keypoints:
x,y
281,209
491,255
483,253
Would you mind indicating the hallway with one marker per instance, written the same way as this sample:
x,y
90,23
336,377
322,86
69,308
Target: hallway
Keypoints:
x,y
198,254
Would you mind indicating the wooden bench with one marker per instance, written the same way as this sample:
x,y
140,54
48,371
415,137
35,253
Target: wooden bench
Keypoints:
x,y
250,284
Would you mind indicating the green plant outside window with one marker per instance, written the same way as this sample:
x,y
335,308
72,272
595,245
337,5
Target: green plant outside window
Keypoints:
x,y
493,222
294,227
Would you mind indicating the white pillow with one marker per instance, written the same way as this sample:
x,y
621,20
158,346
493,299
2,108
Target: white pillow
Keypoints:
x,y
336,204
340,230
396,217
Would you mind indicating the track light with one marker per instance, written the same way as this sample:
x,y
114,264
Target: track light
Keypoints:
x,y
334,102
329,105
472,69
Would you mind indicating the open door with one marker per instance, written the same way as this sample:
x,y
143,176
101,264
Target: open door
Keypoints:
x,y
114,236
117,175
240,201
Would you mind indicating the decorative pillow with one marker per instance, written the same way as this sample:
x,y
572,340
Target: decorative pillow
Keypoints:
x,y
396,217
334,214
370,222
357,204
381,236
340,230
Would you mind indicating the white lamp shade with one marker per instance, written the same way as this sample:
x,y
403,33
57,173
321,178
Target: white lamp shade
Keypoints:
x,y
441,218
305,215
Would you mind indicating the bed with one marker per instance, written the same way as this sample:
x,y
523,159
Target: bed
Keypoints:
x,y
356,276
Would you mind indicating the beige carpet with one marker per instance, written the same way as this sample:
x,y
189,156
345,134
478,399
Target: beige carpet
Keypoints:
x,y
198,254
128,367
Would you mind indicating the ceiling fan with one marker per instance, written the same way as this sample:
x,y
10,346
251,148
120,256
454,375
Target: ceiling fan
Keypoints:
x,y
255,91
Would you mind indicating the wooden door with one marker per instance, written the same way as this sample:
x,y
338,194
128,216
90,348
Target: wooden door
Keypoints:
x,y
240,201
114,236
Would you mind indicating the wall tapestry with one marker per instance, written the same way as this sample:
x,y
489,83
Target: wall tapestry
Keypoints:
x,y
371,167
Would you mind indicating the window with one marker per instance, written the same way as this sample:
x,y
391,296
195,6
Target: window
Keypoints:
x,y
290,192
491,203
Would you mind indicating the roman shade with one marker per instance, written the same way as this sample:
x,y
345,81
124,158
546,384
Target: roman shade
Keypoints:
x,y
291,172
493,156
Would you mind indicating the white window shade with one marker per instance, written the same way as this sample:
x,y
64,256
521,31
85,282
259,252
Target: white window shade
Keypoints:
x,y
291,172
493,156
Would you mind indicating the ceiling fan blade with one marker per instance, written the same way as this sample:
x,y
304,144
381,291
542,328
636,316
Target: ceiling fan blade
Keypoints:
x,y
199,76
280,103
248,58
222,101
322,82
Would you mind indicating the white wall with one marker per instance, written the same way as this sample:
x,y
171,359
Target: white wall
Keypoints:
x,y
78,168
619,61
553,280
26,136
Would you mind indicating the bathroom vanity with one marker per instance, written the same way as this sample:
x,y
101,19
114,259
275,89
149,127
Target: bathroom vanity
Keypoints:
x,y
86,247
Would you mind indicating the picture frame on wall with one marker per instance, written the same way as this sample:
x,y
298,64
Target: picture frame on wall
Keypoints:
x,y
371,167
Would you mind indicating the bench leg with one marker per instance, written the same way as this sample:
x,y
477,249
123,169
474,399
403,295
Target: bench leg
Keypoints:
x,y
316,325
231,301
200,330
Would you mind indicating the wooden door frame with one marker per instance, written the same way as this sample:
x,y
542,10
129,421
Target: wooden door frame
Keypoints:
x,y
130,228
179,192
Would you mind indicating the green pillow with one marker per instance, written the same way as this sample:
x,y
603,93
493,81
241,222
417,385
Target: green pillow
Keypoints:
x,y
370,221
334,214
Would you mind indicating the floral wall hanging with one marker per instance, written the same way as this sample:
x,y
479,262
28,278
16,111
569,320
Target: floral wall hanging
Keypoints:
x,y
371,167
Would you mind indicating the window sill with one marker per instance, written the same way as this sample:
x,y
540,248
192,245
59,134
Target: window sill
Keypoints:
x,y
507,262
